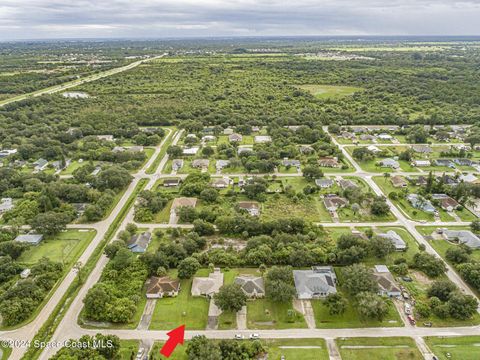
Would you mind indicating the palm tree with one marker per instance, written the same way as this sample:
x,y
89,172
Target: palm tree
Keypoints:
x,y
386,175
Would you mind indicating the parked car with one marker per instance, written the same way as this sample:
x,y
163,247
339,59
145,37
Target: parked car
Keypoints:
x,y
427,324
254,336
238,337
140,353
411,319
407,279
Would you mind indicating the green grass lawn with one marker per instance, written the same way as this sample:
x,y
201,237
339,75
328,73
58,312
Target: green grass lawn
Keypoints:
x,y
329,91
351,319
64,247
6,351
401,348
128,349
178,354
265,314
459,348
74,165
297,349
183,309
280,206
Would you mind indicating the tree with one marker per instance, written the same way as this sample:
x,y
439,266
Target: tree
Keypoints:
x,y
371,306
362,154
311,172
188,267
279,285
441,289
461,306
202,227
336,304
471,273
429,264
358,278
208,151
114,177
457,255
381,247
174,151
379,206
96,301
50,223
475,225
209,195
200,348
230,298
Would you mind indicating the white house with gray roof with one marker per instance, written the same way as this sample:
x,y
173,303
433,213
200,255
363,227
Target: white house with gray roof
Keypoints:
x,y
465,237
252,286
316,283
395,239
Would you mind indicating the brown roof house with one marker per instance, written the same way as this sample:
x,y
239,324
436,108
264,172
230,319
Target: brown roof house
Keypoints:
x,y
332,202
200,163
386,282
159,287
252,207
347,184
331,162
398,181
235,138
207,286
446,202
252,286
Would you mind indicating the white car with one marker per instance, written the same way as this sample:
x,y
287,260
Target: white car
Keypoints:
x,y
238,337
140,353
254,336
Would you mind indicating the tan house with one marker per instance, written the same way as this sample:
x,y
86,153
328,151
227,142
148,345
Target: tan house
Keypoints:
x,y
159,287
331,162
207,286
398,181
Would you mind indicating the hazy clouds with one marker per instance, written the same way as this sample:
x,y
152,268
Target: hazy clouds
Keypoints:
x,y
166,18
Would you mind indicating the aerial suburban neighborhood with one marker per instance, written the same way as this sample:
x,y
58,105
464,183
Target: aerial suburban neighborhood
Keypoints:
x,y
240,199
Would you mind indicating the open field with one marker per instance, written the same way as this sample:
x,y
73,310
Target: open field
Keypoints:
x,y
455,348
378,349
330,91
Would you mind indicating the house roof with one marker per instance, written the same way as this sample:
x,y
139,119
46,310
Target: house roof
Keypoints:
x,y
398,180
389,162
465,237
251,285
422,148
290,162
33,239
395,239
248,205
139,242
184,201
207,285
319,280
200,163
324,182
222,163
160,285
421,203
346,183
262,138
328,161
334,201
385,280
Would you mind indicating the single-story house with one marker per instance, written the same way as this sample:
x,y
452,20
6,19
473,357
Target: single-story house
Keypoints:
x,y
373,149
159,287
190,150
252,207
444,162
252,286
32,239
332,202
389,163
386,282
291,162
316,283
80,208
385,136
6,204
450,180
40,165
135,148
468,178
235,138
25,273
138,243
421,181
398,181
422,149
207,138
330,162
367,137
177,164
324,183
446,202
305,149
191,136
228,131
419,202
105,137
171,182
7,152
96,171
465,237
183,202
200,163
421,163
347,184
220,164
221,183
261,139
244,149
207,286
347,135
463,162
395,239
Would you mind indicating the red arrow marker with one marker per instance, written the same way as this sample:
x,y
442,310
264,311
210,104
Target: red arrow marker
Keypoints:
x,y
175,337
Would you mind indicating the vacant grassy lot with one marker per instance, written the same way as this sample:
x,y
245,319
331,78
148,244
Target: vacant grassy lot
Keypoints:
x,y
351,319
280,206
63,248
128,349
265,314
330,91
5,352
298,349
400,348
462,348
183,309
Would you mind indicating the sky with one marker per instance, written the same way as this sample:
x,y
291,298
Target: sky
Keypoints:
x,y
53,19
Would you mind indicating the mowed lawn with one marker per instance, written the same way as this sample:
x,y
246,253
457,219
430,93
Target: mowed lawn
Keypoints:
x,y
185,309
266,314
401,348
297,349
64,247
330,91
462,348
128,349
351,319
5,352
280,206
